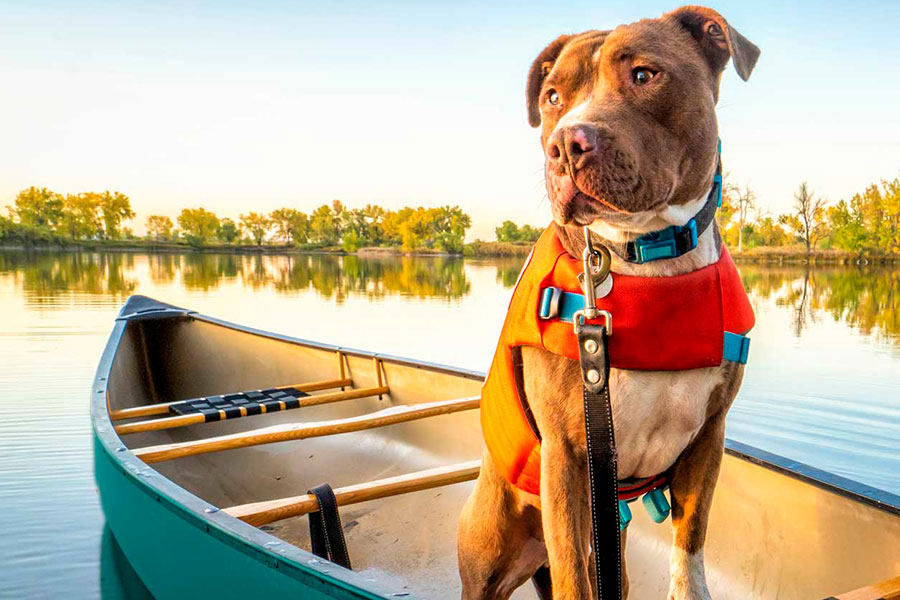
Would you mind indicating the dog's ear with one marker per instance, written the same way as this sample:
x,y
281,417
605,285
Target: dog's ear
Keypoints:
x,y
718,40
541,66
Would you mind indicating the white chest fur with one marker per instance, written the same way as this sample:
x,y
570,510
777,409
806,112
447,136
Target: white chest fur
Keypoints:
x,y
656,414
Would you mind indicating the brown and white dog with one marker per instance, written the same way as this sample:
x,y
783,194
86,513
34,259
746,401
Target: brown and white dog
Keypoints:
x,y
630,138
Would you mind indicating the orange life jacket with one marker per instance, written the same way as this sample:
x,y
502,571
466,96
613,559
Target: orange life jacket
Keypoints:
x,y
659,324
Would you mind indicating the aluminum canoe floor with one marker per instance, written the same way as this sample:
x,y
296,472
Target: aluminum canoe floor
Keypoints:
x,y
779,529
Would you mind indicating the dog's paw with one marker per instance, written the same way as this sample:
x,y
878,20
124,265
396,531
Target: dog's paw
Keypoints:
x,y
687,577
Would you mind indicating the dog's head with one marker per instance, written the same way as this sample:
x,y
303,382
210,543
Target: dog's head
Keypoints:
x,y
628,117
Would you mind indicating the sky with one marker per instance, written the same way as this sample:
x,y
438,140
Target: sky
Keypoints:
x,y
258,105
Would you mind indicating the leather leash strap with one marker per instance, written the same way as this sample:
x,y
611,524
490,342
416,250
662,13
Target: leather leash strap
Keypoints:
x,y
325,531
593,353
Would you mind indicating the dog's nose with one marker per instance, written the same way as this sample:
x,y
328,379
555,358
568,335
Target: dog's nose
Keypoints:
x,y
572,145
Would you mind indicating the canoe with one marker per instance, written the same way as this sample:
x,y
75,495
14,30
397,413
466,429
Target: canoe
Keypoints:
x,y
209,435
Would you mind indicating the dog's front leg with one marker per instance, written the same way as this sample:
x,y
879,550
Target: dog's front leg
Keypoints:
x,y
566,518
692,485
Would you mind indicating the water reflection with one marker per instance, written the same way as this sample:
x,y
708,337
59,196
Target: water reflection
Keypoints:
x,y
867,299
118,581
45,275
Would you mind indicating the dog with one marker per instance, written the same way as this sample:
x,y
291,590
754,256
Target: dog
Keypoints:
x,y
629,132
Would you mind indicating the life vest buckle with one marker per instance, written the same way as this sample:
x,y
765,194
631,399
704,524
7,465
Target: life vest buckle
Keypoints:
x,y
548,308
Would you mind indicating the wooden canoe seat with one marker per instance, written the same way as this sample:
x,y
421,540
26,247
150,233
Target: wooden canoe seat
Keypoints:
x,y
245,404
165,408
228,406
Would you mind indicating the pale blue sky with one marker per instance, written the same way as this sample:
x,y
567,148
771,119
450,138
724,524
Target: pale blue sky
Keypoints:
x,y
240,107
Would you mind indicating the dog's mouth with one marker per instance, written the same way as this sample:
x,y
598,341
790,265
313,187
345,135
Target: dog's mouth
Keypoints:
x,y
572,204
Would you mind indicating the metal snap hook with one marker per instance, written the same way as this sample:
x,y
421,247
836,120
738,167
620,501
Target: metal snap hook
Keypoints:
x,y
596,262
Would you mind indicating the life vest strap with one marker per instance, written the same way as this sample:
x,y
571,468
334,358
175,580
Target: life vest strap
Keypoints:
x,y
556,303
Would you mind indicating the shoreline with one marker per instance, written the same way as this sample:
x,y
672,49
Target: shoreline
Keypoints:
x,y
173,248
477,249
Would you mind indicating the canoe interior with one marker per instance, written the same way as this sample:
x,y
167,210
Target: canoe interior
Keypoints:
x,y
771,535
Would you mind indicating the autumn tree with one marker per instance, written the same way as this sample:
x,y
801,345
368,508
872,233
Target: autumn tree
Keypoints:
x,y
725,213
159,227
767,232
449,224
392,222
290,225
81,216
198,225
881,212
325,226
38,208
257,225
115,207
228,231
510,232
374,217
807,218
846,225
745,201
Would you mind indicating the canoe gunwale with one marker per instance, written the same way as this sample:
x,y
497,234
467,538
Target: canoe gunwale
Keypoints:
x,y
293,561
849,488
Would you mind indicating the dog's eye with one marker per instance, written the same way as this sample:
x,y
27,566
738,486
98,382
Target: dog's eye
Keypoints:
x,y
642,76
553,97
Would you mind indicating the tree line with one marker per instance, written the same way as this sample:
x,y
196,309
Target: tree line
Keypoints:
x,y
868,222
41,215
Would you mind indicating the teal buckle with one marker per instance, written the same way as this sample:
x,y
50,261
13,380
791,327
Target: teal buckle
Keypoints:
x,y
549,305
624,515
657,505
736,348
717,181
663,244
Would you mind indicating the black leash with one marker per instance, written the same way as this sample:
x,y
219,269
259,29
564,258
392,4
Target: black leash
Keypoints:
x,y
325,531
593,354
601,451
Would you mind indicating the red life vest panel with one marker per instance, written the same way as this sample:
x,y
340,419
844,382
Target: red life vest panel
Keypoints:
x,y
659,324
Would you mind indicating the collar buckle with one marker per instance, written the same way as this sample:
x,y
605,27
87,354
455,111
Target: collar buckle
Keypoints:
x,y
670,242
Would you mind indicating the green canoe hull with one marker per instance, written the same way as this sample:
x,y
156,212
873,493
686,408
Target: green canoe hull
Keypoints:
x,y
183,547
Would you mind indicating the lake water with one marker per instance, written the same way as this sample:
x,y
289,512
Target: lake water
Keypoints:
x,y
822,385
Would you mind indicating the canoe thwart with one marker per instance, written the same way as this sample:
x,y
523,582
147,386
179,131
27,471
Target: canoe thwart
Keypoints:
x,y
888,589
261,513
164,408
299,431
244,404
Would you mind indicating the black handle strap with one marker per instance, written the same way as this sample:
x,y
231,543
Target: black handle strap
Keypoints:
x,y
602,464
325,530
